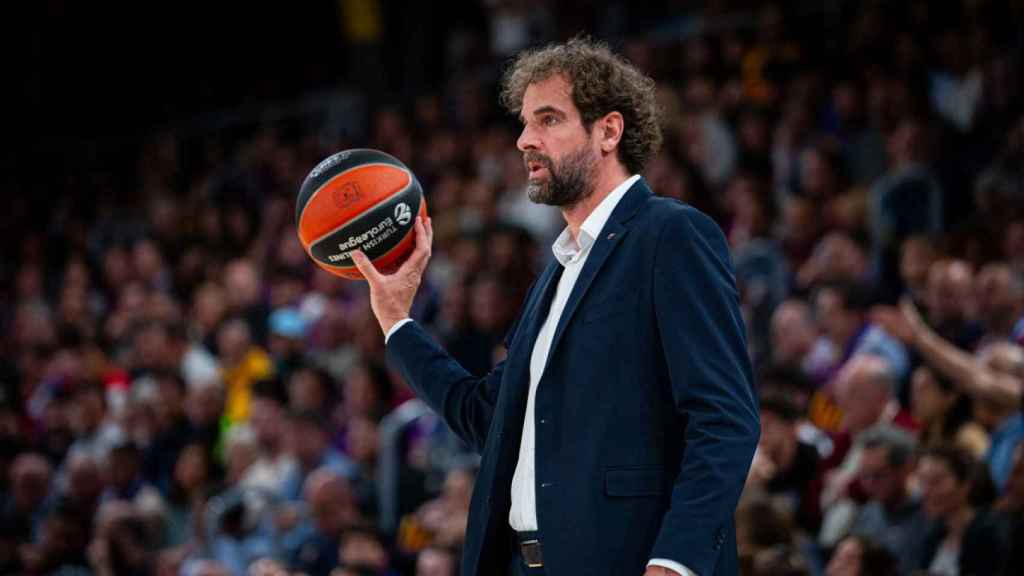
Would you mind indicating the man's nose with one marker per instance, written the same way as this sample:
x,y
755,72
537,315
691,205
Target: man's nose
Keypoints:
x,y
527,140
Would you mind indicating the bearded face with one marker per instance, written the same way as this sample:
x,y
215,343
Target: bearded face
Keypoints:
x,y
564,184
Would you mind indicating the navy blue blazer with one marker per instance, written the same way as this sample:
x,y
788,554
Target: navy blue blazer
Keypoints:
x,y
646,418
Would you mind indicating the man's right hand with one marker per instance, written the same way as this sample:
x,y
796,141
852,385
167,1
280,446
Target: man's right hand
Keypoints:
x,y
391,294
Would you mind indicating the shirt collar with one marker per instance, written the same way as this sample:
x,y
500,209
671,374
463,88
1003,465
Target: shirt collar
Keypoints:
x,y
566,249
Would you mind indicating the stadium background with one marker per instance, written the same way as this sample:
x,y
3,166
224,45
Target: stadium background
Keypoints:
x,y
183,392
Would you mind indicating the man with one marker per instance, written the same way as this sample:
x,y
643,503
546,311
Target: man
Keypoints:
x,y
617,434
890,516
784,465
797,342
864,392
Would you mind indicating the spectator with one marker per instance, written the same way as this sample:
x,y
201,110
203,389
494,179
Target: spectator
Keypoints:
x,y
967,538
437,561
333,510
944,414
891,516
274,464
992,380
784,466
860,556
797,343
842,313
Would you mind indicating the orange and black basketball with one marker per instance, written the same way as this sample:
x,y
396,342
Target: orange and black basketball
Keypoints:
x,y
363,199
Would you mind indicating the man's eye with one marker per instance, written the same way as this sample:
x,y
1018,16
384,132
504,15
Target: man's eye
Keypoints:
x,y
550,120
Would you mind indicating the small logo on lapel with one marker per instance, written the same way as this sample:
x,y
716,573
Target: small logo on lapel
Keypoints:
x,y
611,235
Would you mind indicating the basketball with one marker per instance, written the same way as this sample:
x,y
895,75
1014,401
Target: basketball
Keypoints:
x,y
359,199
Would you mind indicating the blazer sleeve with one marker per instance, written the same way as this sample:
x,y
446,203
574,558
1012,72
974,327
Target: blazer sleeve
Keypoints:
x,y
703,339
466,403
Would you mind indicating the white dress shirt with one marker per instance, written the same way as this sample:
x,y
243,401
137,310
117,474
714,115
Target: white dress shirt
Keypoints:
x,y
572,255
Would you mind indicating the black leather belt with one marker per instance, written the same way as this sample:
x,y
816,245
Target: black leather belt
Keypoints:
x,y
530,549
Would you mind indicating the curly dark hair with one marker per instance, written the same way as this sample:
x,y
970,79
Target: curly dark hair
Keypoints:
x,y
602,82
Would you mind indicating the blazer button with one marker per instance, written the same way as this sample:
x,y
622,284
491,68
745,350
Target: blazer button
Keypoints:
x,y
545,484
543,420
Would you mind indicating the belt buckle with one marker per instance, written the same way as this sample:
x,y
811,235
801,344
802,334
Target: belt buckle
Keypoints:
x,y
528,557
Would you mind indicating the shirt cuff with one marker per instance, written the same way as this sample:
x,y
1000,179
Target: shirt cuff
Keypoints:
x,y
682,570
395,328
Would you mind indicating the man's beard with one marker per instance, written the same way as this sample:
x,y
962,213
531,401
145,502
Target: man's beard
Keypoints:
x,y
568,183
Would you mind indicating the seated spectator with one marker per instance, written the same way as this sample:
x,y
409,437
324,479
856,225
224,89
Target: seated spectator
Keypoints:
x,y
22,508
798,344
192,481
950,302
244,363
760,525
275,463
864,393
993,379
784,465
891,516
860,556
1000,297
309,443
944,414
841,310
966,537
333,510
917,254
361,548
437,561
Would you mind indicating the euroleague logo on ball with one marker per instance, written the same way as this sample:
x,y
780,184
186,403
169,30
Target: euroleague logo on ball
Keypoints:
x,y
347,194
403,214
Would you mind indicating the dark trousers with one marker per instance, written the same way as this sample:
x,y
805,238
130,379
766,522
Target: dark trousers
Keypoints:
x,y
518,566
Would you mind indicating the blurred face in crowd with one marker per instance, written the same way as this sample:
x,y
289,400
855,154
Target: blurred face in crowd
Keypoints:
x,y
950,291
233,341
359,548
776,434
204,403
486,305
793,332
242,284
331,502
191,471
837,323
916,257
881,481
998,296
308,442
861,390
30,481
87,410
267,419
435,562
123,467
362,440
306,390
85,480
942,493
929,401
559,153
208,307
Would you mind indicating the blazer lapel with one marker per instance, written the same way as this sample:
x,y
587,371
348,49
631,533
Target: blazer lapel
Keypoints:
x,y
610,236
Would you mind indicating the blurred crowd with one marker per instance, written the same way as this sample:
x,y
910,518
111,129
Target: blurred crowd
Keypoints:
x,y
183,392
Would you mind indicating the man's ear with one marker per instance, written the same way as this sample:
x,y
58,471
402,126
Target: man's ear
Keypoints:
x,y
610,131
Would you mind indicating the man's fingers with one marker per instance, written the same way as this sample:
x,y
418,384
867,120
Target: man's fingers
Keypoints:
x,y
365,267
421,253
